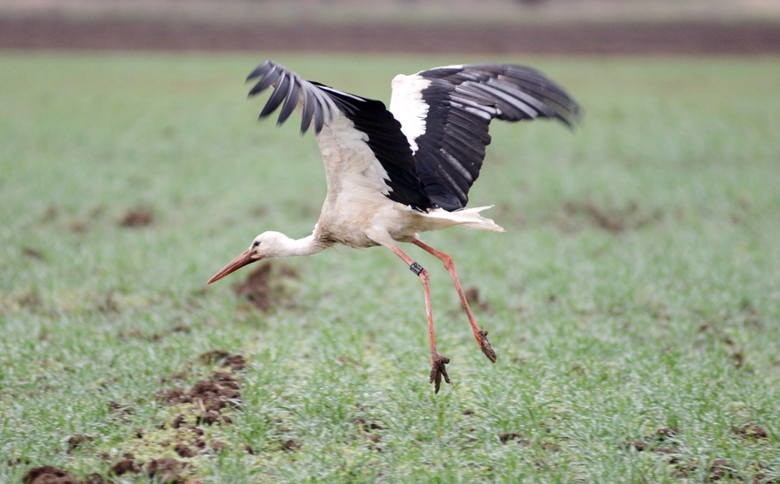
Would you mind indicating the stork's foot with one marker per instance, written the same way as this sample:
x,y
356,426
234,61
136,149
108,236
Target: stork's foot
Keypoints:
x,y
438,370
486,347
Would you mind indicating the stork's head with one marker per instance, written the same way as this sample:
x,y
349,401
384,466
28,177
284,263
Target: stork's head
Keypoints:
x,y
264,246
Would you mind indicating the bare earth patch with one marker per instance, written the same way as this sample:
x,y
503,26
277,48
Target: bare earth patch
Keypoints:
x,y
670,37
137,217
263,287
48,475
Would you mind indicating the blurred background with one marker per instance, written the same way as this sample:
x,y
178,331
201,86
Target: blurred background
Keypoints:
x,y
402,26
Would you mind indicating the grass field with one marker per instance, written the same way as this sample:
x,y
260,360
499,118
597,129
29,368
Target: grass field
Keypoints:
x,y
634,300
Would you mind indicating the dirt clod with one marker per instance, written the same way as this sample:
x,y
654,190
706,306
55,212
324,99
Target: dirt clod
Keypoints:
x,y
128,465
75,441
48,475
137,217
210,395
213,356
751,431
178,421
614,220
166,469
290,445
473,297
367,426
509,436
32,253
683,470
119,409
184,451
638,445
665,432
259,287
94,478
235,362
77,226
721,469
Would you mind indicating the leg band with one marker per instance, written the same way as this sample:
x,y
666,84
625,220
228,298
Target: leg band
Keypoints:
x,y
416,268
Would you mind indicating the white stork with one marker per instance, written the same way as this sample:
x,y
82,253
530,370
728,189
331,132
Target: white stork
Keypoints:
x,y
392,174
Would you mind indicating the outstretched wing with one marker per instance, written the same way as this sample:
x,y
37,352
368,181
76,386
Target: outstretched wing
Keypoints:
x,y
361,142
445,113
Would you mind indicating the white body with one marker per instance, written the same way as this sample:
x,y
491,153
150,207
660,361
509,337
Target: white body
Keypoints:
x,y
356,211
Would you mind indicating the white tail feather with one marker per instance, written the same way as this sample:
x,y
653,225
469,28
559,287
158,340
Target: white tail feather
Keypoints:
x,y
468,217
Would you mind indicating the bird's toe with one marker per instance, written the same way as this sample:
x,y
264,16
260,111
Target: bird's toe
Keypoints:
x,y
486,347
439,371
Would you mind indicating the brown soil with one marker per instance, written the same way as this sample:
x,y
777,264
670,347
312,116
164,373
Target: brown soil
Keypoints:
x,y
94,478
183,450
290,445
234,362
260,286
75,441
751,431
475,300
137,217
211,395
166,470
721,469
32,253
128,465
48,475
510,436
672,37
119,409
614,220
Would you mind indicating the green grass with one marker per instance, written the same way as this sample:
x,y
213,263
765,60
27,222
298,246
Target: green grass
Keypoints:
x,y
666,318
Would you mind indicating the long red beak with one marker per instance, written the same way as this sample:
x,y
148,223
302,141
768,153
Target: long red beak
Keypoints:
x,y
243,259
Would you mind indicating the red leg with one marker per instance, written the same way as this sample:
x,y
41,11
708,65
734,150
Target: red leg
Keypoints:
x,y
438,361
479,334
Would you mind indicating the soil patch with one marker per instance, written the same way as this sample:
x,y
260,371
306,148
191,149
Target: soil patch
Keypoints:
x,y
263,286
119,409
721,469
510,436
127,465
205,403
290,445
234,362
32,253
77,226
48,475
94,478
613,220
76,441
166,470
473,297
751,431
669,37
137,217
210,395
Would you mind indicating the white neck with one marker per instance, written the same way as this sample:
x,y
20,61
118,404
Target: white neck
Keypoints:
x,y
308,245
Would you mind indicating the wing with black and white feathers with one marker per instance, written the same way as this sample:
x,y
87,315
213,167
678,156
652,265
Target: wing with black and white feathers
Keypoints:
x,y
445,113
361,140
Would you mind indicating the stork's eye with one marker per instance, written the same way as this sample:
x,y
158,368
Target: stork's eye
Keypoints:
x,y
255,244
